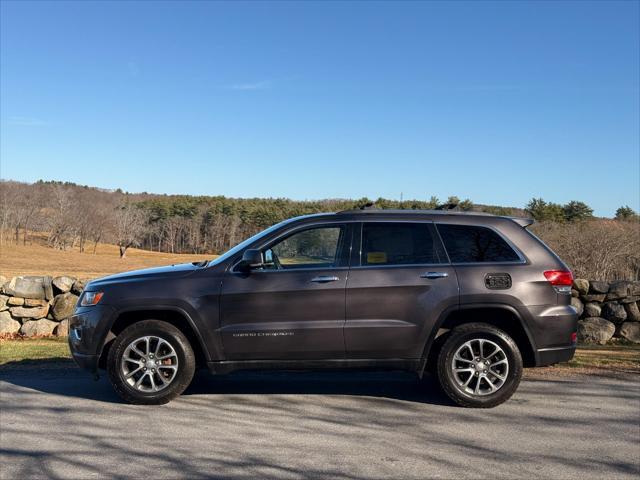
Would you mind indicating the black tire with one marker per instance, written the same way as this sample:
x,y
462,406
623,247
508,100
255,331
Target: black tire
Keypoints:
x,y
453,383
185,363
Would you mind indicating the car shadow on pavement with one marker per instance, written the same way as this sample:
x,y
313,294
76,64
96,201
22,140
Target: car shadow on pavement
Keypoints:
x,y
53,378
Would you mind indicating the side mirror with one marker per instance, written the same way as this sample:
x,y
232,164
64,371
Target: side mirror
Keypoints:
x,y
251,258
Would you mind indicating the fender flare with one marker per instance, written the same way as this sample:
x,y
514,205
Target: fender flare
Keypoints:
x,y
472,306
158,308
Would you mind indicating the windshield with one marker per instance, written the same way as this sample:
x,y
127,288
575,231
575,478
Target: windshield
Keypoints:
x,y
231,252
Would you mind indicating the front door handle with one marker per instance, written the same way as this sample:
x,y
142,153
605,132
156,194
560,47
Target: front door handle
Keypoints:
x,y
325,279
434,275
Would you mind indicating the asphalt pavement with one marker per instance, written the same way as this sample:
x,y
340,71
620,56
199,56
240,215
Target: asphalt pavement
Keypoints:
x,y
59,423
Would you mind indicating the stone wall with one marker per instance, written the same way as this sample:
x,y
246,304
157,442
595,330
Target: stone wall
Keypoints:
x,y
41,305
37,305
607,310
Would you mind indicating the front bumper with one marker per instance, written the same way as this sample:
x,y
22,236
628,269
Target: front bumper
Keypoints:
x,y
88,362
88,329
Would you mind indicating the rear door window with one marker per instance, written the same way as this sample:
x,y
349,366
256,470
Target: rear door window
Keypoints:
x,y
390,243
473,244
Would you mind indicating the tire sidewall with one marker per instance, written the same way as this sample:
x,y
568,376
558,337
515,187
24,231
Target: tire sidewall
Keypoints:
x,y
186,362
447,376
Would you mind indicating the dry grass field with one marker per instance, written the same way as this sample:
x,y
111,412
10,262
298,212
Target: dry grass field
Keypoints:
x,y
38,259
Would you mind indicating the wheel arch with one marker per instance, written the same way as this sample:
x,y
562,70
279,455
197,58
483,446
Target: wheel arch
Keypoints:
x,y
504,317
172,315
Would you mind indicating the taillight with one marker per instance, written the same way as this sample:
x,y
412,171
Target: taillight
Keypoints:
x,y
560,279
574,337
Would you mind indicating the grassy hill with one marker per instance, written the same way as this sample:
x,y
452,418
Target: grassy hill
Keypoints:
x,y
36,259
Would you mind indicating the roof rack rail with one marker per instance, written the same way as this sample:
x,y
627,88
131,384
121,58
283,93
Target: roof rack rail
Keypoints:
x,y
370,208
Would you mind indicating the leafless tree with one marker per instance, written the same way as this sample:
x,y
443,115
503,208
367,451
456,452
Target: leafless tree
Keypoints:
x,y
130,225
596,249
61,212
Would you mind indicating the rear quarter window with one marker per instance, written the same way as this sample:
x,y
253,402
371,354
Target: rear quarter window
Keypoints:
x,y
473,244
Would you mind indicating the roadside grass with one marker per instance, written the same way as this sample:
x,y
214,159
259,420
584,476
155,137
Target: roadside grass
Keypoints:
x,y
588,359
25,351
620,359
35,258
625,357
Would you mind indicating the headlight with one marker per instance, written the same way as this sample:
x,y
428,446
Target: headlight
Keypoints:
x,y
90,298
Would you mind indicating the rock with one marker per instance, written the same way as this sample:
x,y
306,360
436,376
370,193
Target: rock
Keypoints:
x,y
633,312
38,327
578,304
596,286
63,284
614,312
631,299
592,310
3,280
48,288
581,285
635,287
595,330
64,305
3,302
30,312
26,287
8,326
62,330
15,301
594,297
32,302
78,287
575,293
630,331
619,289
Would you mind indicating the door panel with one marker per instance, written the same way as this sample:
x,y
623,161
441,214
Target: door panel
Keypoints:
x,y
395,294
283,315
392,310
294,308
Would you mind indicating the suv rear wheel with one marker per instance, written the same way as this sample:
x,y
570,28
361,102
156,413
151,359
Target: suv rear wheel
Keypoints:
x,y
150,362
479,365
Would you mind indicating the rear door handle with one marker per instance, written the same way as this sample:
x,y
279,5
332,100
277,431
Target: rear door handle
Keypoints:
x,y
325,279
434,275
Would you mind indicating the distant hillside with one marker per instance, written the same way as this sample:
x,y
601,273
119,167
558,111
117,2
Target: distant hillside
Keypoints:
x,y
74,218
78,216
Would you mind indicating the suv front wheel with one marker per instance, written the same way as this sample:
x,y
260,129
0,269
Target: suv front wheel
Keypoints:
x,y
479,365
150,362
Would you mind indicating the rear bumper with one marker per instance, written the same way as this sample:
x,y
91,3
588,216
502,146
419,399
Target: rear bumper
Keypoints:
x,y
552,330
549,356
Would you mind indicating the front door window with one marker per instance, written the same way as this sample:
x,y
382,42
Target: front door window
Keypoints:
x,y
314,248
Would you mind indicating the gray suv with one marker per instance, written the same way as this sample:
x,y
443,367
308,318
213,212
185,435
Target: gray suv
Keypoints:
x,y
471,297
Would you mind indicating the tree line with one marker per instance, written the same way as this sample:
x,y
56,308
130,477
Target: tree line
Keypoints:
x,y
79,217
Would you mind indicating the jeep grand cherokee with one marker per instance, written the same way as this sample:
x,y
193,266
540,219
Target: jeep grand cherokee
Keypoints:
x,y
473,298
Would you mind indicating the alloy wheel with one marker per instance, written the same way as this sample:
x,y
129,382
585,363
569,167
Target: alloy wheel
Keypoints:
x,y
480,367
149,364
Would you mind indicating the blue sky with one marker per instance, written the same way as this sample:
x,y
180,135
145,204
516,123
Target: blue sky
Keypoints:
x,y
498,102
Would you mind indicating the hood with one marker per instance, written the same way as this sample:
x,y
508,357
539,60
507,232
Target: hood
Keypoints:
x,y
170,271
